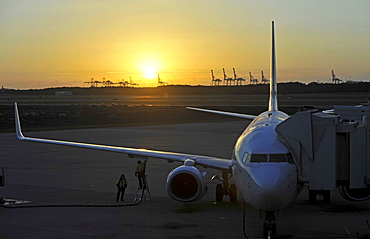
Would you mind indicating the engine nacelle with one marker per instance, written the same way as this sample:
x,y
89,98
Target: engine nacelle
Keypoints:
x,y
186,183
357,194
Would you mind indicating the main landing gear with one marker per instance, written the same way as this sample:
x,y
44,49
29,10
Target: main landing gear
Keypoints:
x,y
324,193
224,189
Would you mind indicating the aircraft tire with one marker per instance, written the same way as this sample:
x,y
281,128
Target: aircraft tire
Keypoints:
x,y
219,193
326,195
274,231
233,193
312,195
265,230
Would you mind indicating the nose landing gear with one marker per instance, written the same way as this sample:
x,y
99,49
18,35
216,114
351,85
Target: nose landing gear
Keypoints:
x,y
269,226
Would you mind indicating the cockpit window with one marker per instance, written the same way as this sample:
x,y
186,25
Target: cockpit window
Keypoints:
x,y
273,158
246,158
277,158
260,158
289,158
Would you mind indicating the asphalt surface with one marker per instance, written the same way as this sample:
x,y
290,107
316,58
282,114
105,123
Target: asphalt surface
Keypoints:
x,y
43,174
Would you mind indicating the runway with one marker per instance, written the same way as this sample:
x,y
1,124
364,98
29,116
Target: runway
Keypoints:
x,y
48,174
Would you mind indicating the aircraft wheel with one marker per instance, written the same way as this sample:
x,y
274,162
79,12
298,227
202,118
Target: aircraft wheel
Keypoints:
x,y
326,195
233,193
273,229
265,230
312,195
219,193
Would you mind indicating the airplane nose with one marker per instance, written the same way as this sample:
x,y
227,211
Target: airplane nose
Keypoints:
x,y
273,185
268,177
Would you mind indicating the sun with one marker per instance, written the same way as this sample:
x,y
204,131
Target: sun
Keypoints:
x,y
148,66
149,72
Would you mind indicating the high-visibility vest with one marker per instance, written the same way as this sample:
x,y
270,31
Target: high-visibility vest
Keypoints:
x,y
140,167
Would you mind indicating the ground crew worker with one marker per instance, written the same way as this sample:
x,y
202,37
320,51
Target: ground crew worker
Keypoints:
x,y
121,185
140,173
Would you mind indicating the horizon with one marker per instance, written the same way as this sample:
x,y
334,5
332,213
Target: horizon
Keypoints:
x,y
54,44
115,86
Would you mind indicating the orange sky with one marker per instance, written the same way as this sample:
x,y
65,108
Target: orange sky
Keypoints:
x,y
65,43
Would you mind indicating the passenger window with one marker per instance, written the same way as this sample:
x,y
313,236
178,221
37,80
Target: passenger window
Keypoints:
x,y
260,158
275,158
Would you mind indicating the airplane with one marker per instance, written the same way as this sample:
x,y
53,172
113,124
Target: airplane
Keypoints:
x,y
261,166
368,102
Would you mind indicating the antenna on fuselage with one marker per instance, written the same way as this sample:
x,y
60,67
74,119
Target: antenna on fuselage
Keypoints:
x,y
273,105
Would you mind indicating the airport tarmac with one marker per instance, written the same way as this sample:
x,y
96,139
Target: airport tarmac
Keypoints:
x,y
56,175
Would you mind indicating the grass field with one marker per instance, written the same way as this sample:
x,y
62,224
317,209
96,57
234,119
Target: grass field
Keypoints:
x,y
60,112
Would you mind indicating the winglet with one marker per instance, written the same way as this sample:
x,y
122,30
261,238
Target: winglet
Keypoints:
x,y
18,130
273,105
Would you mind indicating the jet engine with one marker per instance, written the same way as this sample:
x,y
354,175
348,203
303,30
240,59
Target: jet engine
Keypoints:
x,y
357,194
186,183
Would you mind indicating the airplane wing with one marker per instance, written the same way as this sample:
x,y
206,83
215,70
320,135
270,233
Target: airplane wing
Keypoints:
x,y
205,161
251,117
331,111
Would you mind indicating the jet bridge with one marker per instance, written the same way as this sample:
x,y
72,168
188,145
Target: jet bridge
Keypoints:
x,y
331,150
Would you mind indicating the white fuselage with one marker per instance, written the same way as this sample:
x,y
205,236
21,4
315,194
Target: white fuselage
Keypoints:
x,y
262,167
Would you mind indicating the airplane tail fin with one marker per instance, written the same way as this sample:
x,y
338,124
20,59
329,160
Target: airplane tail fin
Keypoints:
x,y
273,105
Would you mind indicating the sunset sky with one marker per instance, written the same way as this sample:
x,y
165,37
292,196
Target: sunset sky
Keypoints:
x,y
52,43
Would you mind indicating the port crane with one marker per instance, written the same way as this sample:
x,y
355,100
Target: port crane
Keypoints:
x,y
228,81
264,80
160,82
215,82
238,81
334,79
252,80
